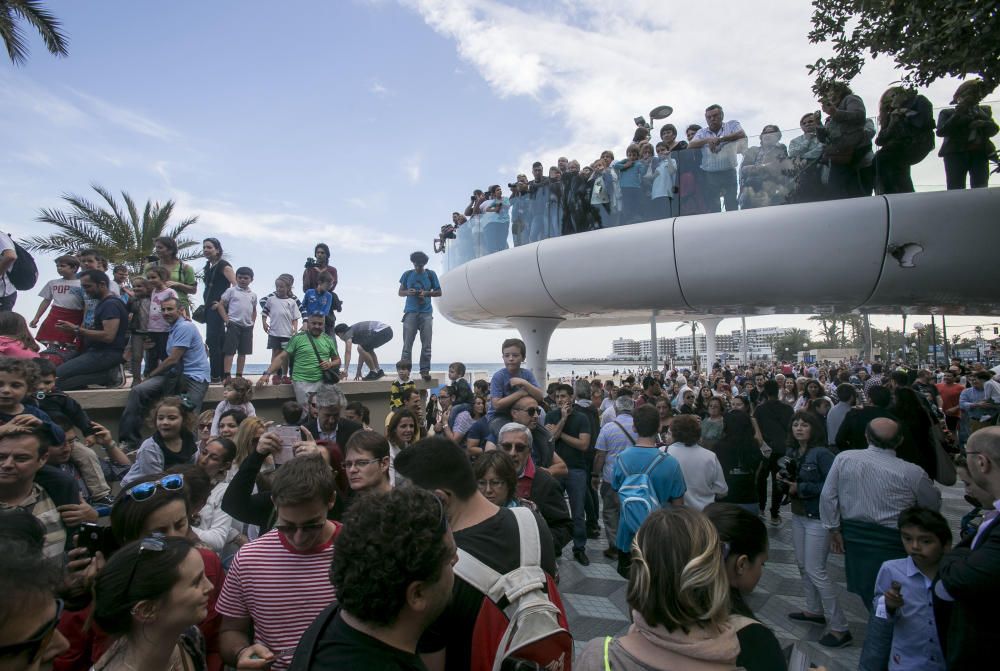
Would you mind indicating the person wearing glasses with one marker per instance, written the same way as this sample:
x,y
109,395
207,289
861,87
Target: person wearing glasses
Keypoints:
x,y
496,477
150,596
536,484
367,463
277,584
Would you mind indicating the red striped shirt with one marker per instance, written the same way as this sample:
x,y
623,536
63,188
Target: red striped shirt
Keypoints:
x,y
281,589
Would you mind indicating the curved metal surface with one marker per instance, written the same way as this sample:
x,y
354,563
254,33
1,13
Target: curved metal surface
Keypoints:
x,y
834,256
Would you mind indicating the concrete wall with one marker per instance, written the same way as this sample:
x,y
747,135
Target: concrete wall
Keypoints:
x,y
105,405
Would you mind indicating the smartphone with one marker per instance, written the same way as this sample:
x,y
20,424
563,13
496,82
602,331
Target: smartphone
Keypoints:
x,y
288,435
95,537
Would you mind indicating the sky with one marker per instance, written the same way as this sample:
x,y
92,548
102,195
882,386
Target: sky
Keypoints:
x,y
364,124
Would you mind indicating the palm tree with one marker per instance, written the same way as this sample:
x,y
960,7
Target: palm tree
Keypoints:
x,y
31,12
121,236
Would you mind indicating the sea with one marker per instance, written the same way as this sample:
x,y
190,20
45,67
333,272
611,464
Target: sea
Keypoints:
x,y
485,370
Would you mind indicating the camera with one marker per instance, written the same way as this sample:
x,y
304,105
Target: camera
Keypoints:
x,y
152,258
310,263
788,470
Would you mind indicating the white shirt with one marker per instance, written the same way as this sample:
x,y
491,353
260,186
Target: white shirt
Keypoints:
x,y
992,389
702,474
725,158
6,288
215,526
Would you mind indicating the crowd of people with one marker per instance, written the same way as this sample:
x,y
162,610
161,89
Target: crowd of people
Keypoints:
x,y
715,168
435,542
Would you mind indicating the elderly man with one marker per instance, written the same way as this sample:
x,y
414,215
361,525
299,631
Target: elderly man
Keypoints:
x,y
527,412
614,437
864,493
968,575
185,371
536,485
721,142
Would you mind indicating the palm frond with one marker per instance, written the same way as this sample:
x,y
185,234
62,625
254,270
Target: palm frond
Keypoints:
x,y
12,36
47,25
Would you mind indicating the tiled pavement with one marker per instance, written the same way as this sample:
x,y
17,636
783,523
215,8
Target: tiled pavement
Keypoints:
x,y
594,595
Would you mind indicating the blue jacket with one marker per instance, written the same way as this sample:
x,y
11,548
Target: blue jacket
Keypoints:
x,y
813,469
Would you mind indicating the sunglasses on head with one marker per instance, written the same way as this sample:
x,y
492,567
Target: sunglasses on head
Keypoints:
x,y
155,543
145,490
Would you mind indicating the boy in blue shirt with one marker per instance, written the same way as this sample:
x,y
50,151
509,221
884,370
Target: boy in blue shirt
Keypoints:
x,y
902,631
318,301
510,384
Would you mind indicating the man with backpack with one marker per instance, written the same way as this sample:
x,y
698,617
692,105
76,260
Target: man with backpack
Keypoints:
x,y
646,478
615,436
501,552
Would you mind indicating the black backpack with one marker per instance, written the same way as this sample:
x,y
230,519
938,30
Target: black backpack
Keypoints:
x,y
24,273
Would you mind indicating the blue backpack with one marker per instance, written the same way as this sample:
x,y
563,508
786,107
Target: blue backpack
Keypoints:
x,y
638,499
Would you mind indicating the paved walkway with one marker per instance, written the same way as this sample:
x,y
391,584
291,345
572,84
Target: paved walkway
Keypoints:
x,y
595,595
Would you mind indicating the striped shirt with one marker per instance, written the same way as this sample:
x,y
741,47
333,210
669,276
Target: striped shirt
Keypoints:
x,y
280,589
874,486
41,505
725,158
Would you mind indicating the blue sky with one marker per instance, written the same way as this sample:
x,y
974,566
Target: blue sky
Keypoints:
x,y
364,124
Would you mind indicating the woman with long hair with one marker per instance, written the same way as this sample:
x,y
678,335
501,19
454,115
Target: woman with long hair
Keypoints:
x,y
811,390
745,552
180,276
172,443
150,596
789,393
917,426
15,338
400,432
807,446
679,596
219,276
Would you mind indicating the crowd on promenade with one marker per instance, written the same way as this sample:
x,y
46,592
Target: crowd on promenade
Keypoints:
x,y
715,168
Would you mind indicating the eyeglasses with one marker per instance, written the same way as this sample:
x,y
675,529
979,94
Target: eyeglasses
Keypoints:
x,y
514,446
157,543
34,646
145,490
360,463
492,484
533,410
291,529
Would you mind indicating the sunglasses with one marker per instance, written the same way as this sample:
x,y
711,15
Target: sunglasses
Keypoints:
x,y
34,646
148,545
514,446
145,490
533,410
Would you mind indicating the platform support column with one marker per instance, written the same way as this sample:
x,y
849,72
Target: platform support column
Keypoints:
x,y
536,333
709,324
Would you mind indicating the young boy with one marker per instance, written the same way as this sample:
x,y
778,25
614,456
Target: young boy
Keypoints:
x,y
318,301
462,392
902,631
18,378
396,389
284,310
238,308
66,299
121,278
157,327
510,383
138,325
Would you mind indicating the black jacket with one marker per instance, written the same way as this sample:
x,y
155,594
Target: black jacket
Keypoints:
x,y
775,420
547,495
851,435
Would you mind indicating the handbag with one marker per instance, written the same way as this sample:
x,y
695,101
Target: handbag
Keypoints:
x,y
330,376
943,463
199,312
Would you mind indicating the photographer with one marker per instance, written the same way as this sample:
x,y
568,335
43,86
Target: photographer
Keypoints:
x,y
967,130
802,475
520,210
318,265
448,232
475,200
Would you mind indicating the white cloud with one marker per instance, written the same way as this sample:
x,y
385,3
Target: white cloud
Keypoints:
x,y
378,89
411,167
357,202
33,157
125,118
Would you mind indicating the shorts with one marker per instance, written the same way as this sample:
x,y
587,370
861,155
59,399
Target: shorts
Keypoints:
x,y
239,339
276,342
375,341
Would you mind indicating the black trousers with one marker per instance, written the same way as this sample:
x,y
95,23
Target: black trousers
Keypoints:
x,y
769,469
957,166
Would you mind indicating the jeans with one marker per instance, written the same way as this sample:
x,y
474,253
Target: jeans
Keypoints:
x,y
412,323
957,166
812,546
91,367
576,489
142,397
611,512
716,182
7,303
215,334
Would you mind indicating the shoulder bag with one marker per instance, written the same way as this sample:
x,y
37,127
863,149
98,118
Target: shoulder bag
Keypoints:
x,y
330,376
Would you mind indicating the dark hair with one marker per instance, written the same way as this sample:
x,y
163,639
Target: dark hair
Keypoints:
x,y
928,520
325,247
304,479
197,483
159,271
419,259
44,367
713,106
646,420
128,516
811,382
132,576
237,415
96,276
388,541
458,366
694,127
20,526
361,409
169,243
370,442
667,126
504,467
187,417
901,378
228,446
243,387
24,575
685,429
244,270
438,463
742,530
514,342
880,396
291,412
341,328
26,369
771,389
69,260
394,421
215,243
41,432
817,433
876,368
406,365
846,392
408,393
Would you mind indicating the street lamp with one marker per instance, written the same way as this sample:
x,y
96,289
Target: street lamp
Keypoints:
x,y
919,328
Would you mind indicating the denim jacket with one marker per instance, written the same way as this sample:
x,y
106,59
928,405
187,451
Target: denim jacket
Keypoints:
x,y
813,469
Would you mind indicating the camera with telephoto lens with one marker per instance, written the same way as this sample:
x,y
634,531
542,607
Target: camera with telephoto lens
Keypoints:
x,y
788,471
310,263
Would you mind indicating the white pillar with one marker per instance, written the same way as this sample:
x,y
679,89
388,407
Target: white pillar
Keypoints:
x,y
536,333
744,347
654,356
709,324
